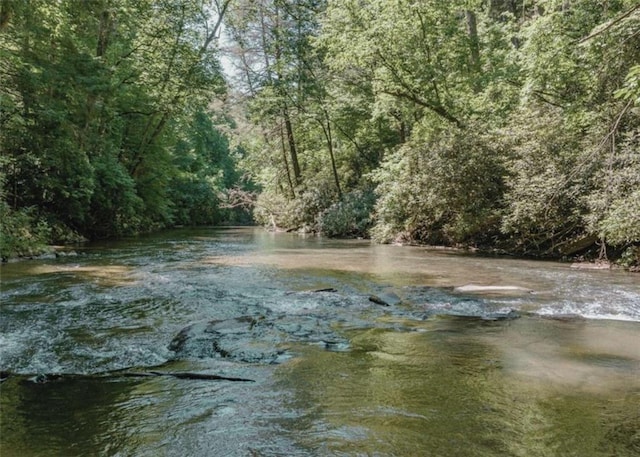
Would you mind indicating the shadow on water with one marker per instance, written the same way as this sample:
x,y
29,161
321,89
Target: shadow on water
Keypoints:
x,y
141,417
548,366
63,418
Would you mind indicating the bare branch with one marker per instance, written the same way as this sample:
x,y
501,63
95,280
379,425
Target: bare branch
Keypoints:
x,y
236,197
213,34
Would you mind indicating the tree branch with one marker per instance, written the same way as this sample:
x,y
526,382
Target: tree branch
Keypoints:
x,y
412,96
610,24
213,34
439,110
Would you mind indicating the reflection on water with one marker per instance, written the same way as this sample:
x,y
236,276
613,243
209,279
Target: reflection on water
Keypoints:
x,y
462,388
436,373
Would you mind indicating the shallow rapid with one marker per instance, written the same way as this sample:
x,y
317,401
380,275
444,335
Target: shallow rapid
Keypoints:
x,y
343,348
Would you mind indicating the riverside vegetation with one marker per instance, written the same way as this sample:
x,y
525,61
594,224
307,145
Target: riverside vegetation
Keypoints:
x,y
508,125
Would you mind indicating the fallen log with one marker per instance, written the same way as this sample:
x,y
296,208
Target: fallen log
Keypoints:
x,y
41,378
385,299
313,291
203,376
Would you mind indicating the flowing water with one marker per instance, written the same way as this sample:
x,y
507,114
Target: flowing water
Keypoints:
x,y
545,363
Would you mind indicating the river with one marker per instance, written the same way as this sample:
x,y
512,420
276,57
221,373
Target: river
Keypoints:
x,y
541,360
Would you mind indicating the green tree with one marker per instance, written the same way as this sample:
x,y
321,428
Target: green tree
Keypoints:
x,y
207,168
572,169
91,94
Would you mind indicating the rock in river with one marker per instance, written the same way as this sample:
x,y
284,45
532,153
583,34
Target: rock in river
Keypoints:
x,y
243,339
253,339
474,288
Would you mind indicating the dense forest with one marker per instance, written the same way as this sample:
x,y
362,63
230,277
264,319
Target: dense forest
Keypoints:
x,y
507,125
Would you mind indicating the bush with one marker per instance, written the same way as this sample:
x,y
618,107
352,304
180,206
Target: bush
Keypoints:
x,y
444,186
615,204
301,213
550,171
349,218
630,257
116,209
21,233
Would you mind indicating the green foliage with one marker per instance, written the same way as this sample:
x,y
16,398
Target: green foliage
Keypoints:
x,y
630,257
91,97
507,124
271,210
21,232
300,213
548,176
206,166
115,206
631,89
441,187
350,217
511,124
417,52
621,223
615,205
313,142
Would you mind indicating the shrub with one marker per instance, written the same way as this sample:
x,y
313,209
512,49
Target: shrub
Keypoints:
x,y
275,210
349,218
630,257
21,233
549,173
444,186
615,204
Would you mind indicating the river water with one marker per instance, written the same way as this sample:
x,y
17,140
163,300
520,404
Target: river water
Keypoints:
x,y
546,363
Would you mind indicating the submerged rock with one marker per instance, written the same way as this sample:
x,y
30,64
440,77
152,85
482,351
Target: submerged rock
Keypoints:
x,y
253,340
475,288
243,339
65,253
377,300
598,265
566,317
502,316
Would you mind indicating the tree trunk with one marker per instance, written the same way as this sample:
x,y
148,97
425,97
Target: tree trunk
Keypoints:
x,y
147,140
293,153
474,46
286,163
5,13
104,33
327,134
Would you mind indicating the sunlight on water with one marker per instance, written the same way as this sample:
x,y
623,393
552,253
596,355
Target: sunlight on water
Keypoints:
x,y
106,275
450,392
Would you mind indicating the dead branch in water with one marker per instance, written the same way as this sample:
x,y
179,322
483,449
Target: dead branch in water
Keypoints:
x,y
42,378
